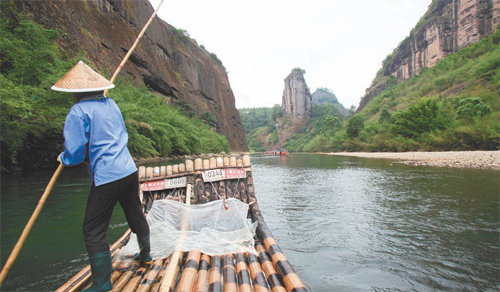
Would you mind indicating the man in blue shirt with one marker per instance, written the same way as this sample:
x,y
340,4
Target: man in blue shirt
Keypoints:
x,y
94,130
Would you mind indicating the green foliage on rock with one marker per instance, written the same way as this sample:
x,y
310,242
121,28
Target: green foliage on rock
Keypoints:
x,y
354,126
472,107
157,129
454,105
32,116
260,124
253,118
324,124
420,117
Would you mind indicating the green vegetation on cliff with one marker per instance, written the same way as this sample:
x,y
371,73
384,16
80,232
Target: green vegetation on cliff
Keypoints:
x,y
32,115
262,134
259,125
455,105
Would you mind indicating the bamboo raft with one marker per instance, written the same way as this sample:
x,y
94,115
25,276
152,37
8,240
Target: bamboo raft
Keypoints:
x,y
194,271
277,153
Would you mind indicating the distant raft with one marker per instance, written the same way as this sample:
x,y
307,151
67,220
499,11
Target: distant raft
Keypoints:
x,y
218,177
277,153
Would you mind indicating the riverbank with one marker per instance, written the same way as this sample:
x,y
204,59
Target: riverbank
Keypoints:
x,y
461,159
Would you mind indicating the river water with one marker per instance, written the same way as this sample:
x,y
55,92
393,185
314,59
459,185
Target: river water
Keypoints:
x,y
345,224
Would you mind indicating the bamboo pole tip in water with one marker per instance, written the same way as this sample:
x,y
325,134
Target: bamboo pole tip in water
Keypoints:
x,y
189,166
142,172
198,164
169,170
206,164
182,168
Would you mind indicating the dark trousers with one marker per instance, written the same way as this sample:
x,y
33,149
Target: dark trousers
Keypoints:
x,y
100,205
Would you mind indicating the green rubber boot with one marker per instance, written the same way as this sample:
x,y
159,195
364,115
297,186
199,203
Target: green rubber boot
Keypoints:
x,y
100,265
143,258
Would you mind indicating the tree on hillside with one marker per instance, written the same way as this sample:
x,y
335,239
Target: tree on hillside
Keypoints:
x,y
330,125
422,116
354,126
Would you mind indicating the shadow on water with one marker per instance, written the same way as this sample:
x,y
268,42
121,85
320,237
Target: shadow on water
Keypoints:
x,y
370,224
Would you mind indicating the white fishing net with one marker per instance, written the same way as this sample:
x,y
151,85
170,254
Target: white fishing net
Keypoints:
x,y
209,227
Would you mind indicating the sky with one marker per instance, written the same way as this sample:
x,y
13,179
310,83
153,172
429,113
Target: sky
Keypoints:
x,y
340,44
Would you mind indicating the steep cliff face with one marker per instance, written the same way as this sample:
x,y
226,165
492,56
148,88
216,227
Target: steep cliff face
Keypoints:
x,y
296,96
166,60
324,95
447,26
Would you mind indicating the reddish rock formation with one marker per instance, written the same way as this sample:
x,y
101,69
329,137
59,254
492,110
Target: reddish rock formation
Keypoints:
x,y
296,95
166,59
447,26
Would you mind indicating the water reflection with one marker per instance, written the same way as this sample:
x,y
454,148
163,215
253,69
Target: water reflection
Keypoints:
x,y
359,224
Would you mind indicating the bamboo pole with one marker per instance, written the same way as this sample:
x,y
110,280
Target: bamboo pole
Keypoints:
x,y
291,280
172,271
79,279
229,273
243,274
29,225
148,280
125,59
123,280
214,274
284,268
135,280
157,282
257,274
202,277
188,276
272,276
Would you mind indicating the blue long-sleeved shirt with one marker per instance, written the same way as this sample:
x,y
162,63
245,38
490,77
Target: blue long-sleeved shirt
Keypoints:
x,y
99,124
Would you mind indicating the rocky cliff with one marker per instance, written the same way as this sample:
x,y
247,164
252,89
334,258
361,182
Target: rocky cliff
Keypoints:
x,y
166,59
296,95
447,26
324,95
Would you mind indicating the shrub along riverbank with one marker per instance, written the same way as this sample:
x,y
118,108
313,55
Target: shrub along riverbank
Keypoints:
x,y
32,115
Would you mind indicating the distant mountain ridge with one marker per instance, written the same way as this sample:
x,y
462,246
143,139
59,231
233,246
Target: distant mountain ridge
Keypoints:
x,y
325,95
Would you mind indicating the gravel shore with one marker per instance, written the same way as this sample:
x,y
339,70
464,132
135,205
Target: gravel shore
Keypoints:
x,y
463,159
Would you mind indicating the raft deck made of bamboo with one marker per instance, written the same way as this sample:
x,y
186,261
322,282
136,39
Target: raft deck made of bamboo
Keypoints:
x,y
193,270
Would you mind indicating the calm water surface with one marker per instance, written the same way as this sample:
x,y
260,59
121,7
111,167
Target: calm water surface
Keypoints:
x,y
346,224
351,224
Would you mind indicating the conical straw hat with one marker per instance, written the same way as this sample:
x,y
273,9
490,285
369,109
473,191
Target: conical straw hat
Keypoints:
x,y
82,78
